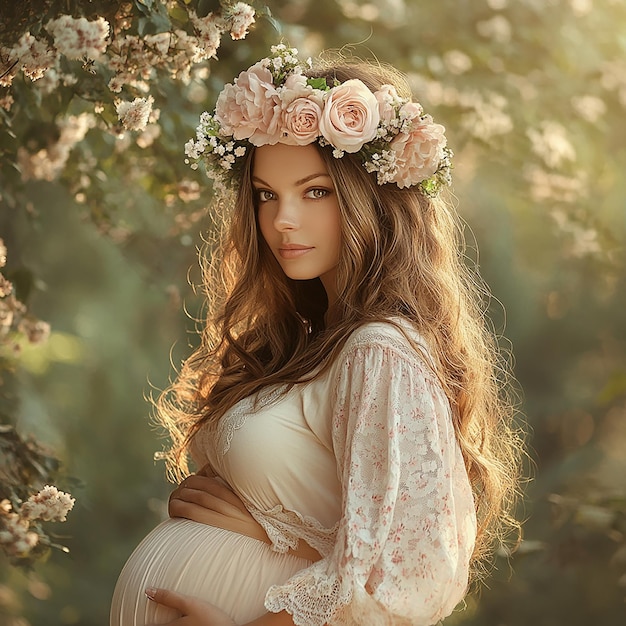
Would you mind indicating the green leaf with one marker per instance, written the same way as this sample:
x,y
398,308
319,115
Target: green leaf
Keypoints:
x,y
145,6
178,14
318,83
143,26
266,14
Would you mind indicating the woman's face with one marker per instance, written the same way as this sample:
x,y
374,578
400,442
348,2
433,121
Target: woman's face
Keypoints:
x,y
298,212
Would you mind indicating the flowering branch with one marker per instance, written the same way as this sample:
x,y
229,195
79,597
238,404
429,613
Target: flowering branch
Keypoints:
x,y
20,528
16,322
79,84
27,501
104,60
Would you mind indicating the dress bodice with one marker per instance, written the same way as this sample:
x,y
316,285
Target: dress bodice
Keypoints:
x,y
363,463
276,451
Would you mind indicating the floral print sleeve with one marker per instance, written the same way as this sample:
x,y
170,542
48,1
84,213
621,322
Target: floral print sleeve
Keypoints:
x,y
408,524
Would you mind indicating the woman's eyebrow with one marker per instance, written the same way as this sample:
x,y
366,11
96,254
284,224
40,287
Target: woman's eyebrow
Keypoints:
x,y
306,179
298,183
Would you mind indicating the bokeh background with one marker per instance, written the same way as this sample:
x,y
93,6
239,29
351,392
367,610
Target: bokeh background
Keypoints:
x,y
103,247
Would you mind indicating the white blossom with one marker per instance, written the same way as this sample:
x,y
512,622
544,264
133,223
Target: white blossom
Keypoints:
x,y
160,42
581,7
498,29
135,115
241,18
590,108
188,190
150,134
33,55
47,163
49,505
486,117
548,186
15,537
209,30
551,143
457,62
79,38
53,78
6,102
6,286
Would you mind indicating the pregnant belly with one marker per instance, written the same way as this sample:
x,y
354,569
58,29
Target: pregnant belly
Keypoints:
x,y
225,568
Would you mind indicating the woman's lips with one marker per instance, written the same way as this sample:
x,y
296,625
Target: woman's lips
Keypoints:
x,y
293,252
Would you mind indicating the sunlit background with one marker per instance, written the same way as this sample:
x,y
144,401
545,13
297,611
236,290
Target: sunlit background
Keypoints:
x,y
101,227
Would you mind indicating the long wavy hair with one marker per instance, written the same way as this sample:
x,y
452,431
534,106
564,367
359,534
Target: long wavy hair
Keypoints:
x,y
402,256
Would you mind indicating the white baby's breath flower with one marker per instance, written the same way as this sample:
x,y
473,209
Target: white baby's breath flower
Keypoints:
x,y
135,115
78,38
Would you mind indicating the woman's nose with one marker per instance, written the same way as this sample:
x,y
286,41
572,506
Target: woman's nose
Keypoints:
x,y
286,217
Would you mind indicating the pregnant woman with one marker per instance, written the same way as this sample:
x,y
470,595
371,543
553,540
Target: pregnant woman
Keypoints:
x,y
358,454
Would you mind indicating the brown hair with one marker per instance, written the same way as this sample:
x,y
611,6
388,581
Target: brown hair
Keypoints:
x,y
402,256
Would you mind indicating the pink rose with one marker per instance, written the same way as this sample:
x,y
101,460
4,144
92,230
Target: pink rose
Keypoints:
x,y
295,87
350,117
251,109
301,122
411,111
418,152
386,97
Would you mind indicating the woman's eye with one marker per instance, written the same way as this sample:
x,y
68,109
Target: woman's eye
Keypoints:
x,y
263,195
317,194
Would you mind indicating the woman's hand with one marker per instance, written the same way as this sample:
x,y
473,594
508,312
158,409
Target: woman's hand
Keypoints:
x,y
200,496
194,612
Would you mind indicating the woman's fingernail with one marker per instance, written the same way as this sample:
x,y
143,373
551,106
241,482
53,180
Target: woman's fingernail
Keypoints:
x,y
151,592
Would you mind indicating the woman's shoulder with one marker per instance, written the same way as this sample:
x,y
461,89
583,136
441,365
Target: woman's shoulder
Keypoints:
x,y
394,334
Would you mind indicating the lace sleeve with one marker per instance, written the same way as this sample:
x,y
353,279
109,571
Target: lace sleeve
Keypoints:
x,y
408,524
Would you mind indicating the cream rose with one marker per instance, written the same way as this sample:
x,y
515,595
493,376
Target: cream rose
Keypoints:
x,y
301,121
350,116
418,152
251,108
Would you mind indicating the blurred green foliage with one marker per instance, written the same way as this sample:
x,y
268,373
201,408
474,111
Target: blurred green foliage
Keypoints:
x,y
533,95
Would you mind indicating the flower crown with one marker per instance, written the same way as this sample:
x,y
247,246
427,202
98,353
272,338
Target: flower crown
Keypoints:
x,y
275,102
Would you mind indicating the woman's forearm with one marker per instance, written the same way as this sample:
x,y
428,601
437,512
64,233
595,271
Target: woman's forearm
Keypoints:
x,y
273,619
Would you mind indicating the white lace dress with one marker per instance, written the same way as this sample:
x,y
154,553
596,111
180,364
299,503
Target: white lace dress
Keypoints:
x,y
363,464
